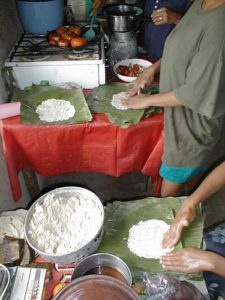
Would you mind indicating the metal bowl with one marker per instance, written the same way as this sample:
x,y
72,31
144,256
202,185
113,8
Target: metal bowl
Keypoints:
x,y
84,251
95,287
103,264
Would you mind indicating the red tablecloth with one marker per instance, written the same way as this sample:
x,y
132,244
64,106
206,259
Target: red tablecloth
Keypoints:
x,y
98,146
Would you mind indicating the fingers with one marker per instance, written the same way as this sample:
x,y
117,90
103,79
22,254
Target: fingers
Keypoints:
x,y
172,266
170,240
136,102
132,92
174,261
188,260
135,88
173,235
183,219
159,16
165,16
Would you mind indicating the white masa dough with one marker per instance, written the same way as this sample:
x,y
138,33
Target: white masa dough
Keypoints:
x,y
52,110
145,238
117,101
64,224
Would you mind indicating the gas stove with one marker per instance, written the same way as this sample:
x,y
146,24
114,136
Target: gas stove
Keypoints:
x,y
32,60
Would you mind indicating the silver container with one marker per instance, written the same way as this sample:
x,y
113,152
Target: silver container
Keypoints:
x,y
123,45
87,249
122,18
99,260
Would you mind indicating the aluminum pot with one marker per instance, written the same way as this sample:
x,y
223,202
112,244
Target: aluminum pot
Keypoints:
x,y
103,264
122,18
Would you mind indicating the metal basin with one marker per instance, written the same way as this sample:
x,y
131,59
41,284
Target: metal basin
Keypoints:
x,y
76,255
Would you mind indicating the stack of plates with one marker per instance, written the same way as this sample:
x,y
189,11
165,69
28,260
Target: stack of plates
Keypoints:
x,y
4,280
12,224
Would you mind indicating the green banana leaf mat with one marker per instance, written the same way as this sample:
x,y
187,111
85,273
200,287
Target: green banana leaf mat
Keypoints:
x,y
121,216
100,102
32,96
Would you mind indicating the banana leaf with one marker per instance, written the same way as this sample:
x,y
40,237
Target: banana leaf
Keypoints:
x,y
121,216
100,102
31,97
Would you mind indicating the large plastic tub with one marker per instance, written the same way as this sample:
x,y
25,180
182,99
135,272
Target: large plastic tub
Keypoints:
x,y
40,17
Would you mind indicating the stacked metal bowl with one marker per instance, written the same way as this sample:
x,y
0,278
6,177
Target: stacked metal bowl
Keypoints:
x,y
56,224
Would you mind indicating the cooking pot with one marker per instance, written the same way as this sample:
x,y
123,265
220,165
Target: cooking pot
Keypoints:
x,y
103,264
123,18
96,287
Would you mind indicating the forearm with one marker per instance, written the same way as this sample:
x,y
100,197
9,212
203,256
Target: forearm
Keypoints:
x,y
145,79
193,260
216,264
164,100
151,71
156,66
212,183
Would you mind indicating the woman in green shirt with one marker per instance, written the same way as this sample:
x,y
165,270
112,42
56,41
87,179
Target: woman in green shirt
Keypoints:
x,y
192,89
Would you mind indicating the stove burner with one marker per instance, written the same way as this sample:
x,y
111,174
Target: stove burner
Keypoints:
x,y
33,48
83,56
35,58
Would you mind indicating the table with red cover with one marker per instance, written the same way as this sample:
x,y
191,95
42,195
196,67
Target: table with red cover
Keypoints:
x,y
98,146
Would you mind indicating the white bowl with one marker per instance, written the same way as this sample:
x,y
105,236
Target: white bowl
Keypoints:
x,y
127,62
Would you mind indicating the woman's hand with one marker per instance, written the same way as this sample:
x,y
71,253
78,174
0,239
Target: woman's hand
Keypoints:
x,y
97,6
145,79
165,16
188,260
184,217
139,101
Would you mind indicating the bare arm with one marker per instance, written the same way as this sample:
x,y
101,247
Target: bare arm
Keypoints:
x,y
140,101
145,79
160,100
193,260
212,183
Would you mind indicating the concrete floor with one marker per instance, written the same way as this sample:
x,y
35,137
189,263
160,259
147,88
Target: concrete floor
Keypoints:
x,y
108,188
